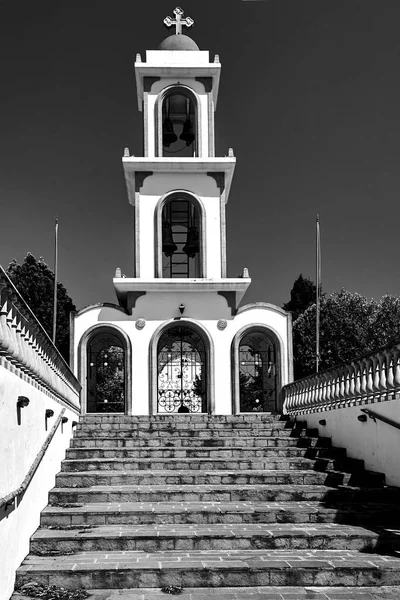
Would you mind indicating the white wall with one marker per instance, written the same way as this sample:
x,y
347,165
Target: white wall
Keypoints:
x,y
19,447
377,443
202,308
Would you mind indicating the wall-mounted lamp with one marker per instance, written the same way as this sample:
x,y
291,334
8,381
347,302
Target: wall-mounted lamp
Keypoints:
x,y
64,420
322,422
181,308
49,413
74,423
362,418
22,401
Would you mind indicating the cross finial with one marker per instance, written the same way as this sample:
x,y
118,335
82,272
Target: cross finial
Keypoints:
x,y
179,21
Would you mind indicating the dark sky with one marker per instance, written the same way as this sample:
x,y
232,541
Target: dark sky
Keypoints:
x,y
309,101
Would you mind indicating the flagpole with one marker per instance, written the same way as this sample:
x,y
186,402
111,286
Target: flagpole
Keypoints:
x,y
318,292
55,283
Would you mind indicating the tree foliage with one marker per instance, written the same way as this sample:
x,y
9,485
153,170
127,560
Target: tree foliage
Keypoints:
x,y
350,325
35,282
302,296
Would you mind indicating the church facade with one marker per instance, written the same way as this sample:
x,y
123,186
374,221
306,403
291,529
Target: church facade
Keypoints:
x,y
177,341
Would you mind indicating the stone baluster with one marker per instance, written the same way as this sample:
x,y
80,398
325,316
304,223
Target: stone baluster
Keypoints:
x,y
362,367
396,366
382,373
369,386
389,370
342,385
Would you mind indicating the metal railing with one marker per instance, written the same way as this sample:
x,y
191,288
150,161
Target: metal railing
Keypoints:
x,y
10,498
371,378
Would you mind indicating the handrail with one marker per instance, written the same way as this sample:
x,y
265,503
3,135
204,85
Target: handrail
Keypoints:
x,y
374,416
373,377
6,500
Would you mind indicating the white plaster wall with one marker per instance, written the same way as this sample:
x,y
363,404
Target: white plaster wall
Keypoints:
x,y
377,443
202,308
146,242
165,58
18,450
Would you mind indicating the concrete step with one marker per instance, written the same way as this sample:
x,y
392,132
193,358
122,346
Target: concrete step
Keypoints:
x,y
106,441
193,464
211,452
196,477
233,536
126,431
158,513
187,419
215,568
212,493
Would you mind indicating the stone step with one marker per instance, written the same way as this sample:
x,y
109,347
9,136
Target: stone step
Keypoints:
x,y
202,452
215,493
233,536
158,513
193,464
125,431
191,419
184,478
249,593
106,441
215,568
175,428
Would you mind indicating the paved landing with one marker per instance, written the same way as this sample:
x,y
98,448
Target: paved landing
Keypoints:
x,y
247,593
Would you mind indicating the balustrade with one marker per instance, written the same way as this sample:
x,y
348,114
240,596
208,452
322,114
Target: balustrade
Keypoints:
x,y
371,378
27,347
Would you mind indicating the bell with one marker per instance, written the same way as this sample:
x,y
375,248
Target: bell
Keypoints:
x,y
192,246
187,134
169,135
168,244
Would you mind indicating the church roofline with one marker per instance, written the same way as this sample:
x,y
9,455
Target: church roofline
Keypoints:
x,y
172,64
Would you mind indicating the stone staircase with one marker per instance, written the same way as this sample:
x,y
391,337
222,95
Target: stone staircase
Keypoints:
x,y
222,502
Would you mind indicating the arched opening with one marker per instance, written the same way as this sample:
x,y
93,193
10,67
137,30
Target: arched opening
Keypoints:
x,y
178,133
181,371
106,367
181,238
257,371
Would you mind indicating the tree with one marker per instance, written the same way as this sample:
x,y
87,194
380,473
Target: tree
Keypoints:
x,y
302,296
35,282
350,325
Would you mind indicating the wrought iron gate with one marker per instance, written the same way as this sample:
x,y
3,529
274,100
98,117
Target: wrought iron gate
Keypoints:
x,y
105,374
257,373
181,372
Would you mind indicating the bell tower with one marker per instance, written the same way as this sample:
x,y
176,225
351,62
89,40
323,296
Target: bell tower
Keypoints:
x,y
178,341
179,188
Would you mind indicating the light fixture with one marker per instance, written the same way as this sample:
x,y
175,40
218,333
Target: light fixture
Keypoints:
x,y
64,420
322,422
181,308
362,418
49,413
22,401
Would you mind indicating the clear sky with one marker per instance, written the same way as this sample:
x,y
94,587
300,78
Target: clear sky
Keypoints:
x,y
309,101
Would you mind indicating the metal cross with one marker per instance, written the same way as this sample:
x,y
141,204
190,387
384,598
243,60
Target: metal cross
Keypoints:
x,y
178,21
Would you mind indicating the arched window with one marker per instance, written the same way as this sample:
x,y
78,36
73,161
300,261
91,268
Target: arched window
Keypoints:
x,y
106,373
181,371
181,251
178,124
257,366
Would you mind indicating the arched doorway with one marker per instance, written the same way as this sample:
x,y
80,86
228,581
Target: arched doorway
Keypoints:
x,y
106,373
181,371
257,366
